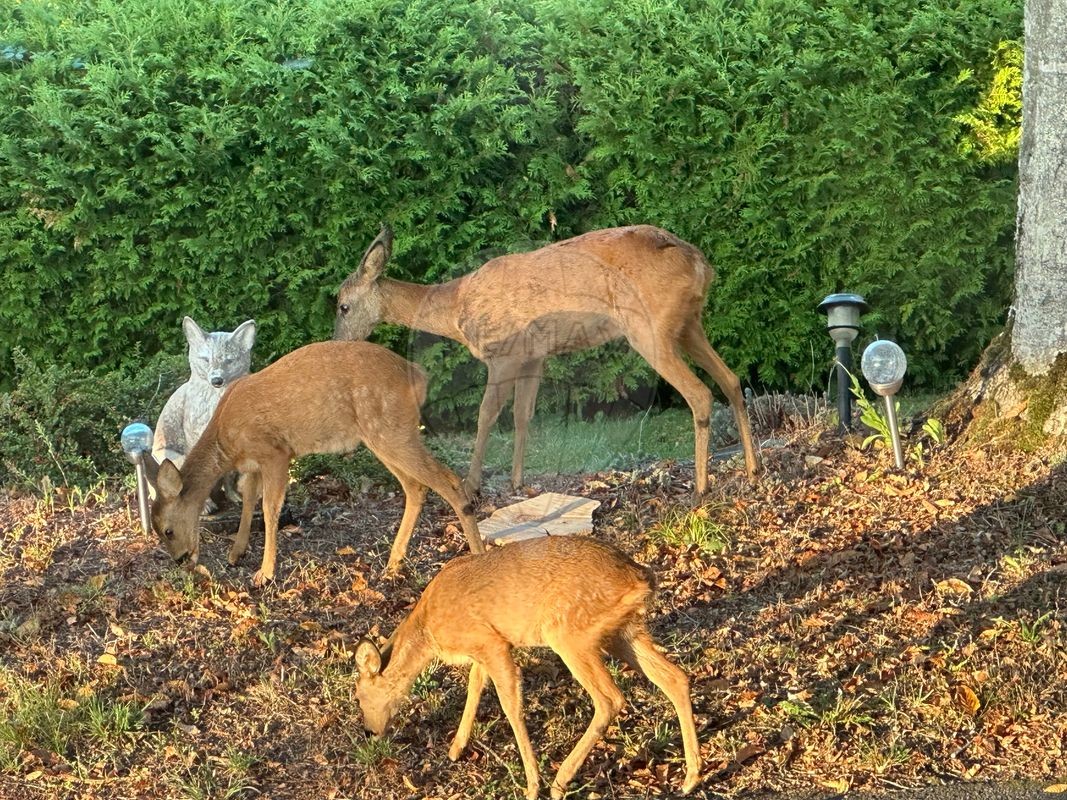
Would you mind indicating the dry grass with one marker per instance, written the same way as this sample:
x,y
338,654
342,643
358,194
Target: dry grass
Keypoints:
x,y
858,628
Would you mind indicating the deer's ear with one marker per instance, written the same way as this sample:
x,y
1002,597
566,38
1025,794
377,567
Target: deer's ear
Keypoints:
x,y
169,480
245,334
368,659
194,334
377,256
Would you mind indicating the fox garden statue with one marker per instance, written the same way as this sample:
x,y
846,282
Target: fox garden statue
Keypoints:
x,y
215,361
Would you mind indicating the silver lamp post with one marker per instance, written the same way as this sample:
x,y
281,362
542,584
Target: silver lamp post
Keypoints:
x,y
843,324
136,443
884,364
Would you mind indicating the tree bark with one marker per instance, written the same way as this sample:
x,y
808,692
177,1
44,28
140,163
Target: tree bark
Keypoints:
x,y
1039,336
1018,392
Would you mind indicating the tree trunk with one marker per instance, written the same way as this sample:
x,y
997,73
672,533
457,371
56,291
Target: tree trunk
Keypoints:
x,y
1040,332
1019,390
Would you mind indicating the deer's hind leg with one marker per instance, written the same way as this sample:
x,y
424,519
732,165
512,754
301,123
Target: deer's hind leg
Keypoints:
x,y
660,351
414,498
700,350
584,661
410,457
636,647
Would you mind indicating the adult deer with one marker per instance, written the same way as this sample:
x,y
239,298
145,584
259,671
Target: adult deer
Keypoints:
x,y
326,397
579,596
641,283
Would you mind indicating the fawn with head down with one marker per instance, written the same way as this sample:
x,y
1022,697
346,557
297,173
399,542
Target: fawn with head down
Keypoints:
x,y
576,595
327,397
640,282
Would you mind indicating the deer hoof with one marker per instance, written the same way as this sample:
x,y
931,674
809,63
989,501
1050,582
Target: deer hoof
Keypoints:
x,y
261,577
691,781
235,555
454,752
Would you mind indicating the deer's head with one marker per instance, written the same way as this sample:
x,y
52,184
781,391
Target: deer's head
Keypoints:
x,y
175,519
378,697
359,300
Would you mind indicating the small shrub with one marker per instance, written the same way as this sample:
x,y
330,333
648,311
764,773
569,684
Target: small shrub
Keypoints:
x,y
60,426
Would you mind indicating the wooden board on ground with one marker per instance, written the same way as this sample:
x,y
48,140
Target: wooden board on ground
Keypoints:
x,y
548,514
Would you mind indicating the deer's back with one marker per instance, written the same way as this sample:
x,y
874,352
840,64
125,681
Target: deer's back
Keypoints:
x,y
320,398
608,279
530,592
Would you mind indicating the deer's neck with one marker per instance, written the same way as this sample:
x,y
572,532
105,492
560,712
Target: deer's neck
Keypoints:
x,y
425,308
203,467
412,651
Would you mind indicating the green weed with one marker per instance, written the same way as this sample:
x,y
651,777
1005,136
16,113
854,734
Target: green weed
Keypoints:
x,y
693,528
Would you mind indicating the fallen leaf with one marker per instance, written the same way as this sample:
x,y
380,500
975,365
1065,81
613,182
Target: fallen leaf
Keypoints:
x,y
749,751
839,785
954,586
108,660
1056,788
966,698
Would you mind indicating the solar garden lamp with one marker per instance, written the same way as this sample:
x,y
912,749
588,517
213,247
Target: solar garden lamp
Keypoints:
x,y
136,443
843,324
884,364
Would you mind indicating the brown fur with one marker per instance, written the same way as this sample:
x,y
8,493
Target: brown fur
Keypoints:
x,y
327,397
579,596
641,283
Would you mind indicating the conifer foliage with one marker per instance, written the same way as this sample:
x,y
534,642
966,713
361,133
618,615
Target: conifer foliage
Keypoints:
x,y
232,158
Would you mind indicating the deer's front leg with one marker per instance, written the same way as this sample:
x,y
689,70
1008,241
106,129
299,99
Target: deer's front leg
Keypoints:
x,y
507,680
475,685
525,399
249,498
498,389
273,483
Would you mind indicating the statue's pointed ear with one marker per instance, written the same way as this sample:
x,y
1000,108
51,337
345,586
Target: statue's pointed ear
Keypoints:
x,y
245,334
151,470
375,258
194,334
368,659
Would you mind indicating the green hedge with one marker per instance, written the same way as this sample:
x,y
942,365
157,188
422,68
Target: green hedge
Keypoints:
x,y
232,158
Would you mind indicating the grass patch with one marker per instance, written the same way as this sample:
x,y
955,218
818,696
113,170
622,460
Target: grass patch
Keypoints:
x,y
43,716
563,446
695,528
372,750
555,446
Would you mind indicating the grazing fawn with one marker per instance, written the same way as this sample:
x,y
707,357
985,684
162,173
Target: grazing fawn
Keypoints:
x,y
576,595
326,397
641,283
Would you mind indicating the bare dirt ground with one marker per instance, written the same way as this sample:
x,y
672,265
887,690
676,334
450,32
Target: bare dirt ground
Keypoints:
x,y
862,629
